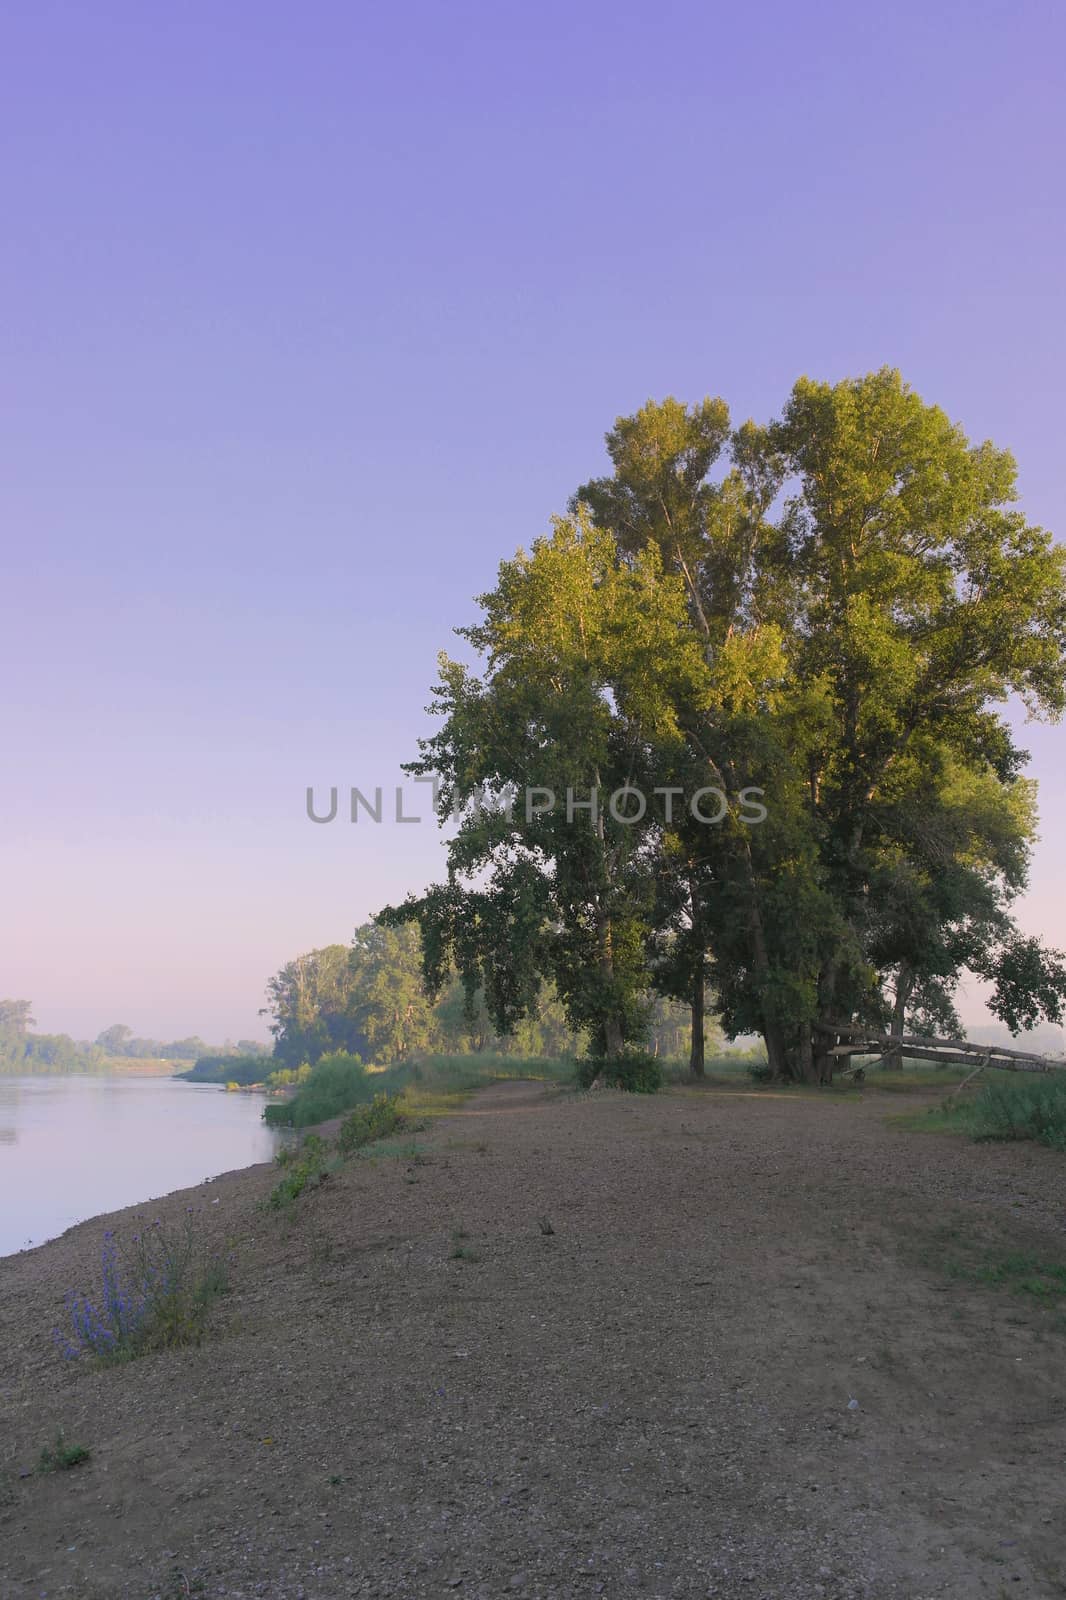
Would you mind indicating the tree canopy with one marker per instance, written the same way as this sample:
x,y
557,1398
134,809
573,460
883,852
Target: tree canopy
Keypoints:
x,y
832,609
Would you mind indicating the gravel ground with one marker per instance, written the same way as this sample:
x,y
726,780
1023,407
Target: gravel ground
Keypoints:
x,y
734,1367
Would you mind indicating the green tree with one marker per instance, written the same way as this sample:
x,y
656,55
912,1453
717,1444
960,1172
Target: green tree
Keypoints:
x,y
394,1009
719,889
314,1008
585,656
866,596
924,600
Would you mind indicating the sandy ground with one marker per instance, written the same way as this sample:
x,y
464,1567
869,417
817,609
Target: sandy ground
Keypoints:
x,y
654,1399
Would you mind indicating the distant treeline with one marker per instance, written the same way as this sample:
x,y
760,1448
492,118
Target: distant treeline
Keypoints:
x,y
118,1040
25,1052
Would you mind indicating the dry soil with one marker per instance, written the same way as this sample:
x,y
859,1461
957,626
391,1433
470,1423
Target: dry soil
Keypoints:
x,y
738,1365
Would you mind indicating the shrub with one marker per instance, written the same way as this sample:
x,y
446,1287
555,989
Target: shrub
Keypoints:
x,y
289,1077
156,1293
336,1083
1029,1107
242,1070
367,1123
760,1071
636,1071
61,1456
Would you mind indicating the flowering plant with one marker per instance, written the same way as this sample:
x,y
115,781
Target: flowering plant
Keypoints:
x,y
154,1293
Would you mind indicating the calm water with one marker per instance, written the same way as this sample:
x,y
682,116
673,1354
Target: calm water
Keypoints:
x,y
73,1147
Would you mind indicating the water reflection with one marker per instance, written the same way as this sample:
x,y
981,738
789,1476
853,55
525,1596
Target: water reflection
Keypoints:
x,y
71,1147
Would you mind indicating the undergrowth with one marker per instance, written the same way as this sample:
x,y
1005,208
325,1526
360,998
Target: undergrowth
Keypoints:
x,y
635,1071
1030,1107
365,1131
305,1167
427,1085
336,1083
367,1123
1006,1107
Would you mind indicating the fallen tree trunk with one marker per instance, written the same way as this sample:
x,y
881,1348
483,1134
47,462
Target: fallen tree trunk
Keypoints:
x,y
946,1052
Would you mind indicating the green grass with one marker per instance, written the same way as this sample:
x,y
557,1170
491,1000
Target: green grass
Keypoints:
x,y
745,1069
364,1136
1009,1106
1021,1271
913,1075
395,1150
425,1086
731,1070
1027,1107
446,1081
966,1254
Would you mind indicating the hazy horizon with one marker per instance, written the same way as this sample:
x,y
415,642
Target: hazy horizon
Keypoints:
x,y
310,327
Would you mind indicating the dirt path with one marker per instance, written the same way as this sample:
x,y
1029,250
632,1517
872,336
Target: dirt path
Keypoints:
x,y
651,1400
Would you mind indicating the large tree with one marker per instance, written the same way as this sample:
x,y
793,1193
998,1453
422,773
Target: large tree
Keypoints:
x,y
924,601
866,596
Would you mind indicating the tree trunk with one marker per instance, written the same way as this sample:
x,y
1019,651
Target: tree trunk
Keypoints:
x,y
696,1056
823,1062
776,1053
612,1022
699,985
904,989
612,1035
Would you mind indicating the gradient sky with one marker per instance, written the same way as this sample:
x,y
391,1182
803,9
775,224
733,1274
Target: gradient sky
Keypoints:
x,y
312,314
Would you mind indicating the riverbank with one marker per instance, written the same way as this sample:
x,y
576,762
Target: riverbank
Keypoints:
x,y
573,1345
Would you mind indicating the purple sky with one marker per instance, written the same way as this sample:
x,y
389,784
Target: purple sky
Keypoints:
x,y
312,314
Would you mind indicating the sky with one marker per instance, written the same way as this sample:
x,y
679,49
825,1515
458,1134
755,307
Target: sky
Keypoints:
x,y
313,314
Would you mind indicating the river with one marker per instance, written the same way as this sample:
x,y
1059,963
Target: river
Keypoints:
x,y
72,1147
